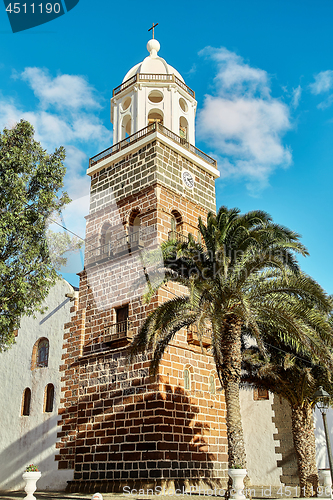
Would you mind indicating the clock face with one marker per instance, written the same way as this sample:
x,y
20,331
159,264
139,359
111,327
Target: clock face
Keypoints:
x,y
188,179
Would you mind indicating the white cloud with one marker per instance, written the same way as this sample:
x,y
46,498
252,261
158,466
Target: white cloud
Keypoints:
x,y
323,82
242,122
234,76
61,118
322,85
296,96
63,91
65,114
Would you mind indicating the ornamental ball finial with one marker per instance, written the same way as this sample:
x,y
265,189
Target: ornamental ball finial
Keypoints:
x,y
153,46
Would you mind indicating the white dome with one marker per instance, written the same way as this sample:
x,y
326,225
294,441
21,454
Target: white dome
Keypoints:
x,y
153,64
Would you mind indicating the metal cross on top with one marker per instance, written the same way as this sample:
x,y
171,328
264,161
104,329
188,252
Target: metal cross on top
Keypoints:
x,y
152,28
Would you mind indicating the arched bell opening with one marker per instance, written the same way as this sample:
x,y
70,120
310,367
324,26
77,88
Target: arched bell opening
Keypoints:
x,y
183,128
155,116
126,127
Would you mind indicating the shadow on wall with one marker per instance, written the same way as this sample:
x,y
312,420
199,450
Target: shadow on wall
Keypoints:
x,y
33,447
131,435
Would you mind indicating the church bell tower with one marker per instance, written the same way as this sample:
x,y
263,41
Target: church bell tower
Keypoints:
x,y
153,91
121,428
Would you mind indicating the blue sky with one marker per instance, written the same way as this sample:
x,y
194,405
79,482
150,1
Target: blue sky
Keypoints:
x,y
263,76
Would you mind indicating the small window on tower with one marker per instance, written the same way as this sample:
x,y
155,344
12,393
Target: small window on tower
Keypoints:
x,y
134,230
176,226
122,319
106,240
187,381
260,394
212,384
26,402
49,398
42,353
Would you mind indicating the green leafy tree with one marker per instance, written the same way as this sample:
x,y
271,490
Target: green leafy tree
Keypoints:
x,y
296,379
31,182
240,275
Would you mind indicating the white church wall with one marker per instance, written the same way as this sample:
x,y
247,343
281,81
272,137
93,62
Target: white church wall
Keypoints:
x,y
31,439
321,449
260,445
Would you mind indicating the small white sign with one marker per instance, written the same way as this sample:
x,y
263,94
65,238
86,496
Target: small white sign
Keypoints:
x,y
188,179
97,496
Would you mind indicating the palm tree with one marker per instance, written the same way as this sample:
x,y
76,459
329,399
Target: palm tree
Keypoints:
x,y
239,274
296,379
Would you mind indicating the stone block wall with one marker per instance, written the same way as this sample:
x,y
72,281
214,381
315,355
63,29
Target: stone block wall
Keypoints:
x,y
154,163
288,462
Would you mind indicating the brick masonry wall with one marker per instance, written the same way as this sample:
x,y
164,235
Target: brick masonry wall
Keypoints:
x,y
118,425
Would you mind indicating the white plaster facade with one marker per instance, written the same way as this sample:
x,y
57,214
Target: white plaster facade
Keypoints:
x,y
259,430
321,448
31,439
155,95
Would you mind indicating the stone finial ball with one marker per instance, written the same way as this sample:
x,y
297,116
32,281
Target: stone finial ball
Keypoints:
x,y
153,45
97,496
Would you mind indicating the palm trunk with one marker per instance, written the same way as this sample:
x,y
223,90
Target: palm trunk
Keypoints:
x,y
305,447
231,372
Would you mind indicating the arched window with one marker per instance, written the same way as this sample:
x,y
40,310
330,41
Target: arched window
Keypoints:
x,y
183,128
176,224
48,398
155,115
212,384
187,379
26,402
134,229
106,237
42,353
